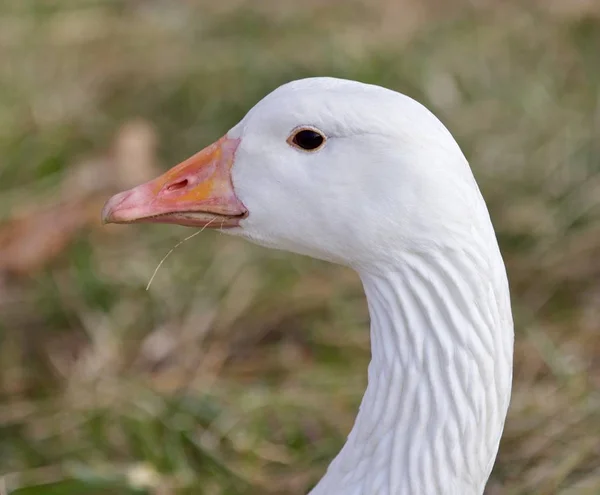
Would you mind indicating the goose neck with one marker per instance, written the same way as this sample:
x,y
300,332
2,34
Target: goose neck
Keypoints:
x,y
438,383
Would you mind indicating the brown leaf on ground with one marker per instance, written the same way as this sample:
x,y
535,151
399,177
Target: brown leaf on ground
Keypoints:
x,y
28,242
33,237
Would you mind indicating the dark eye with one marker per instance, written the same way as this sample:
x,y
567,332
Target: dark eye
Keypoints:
x,y
307,139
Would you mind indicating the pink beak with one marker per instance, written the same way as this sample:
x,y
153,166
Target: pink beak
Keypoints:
x,y
197,193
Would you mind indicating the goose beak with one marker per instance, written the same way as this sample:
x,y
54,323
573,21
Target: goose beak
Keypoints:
x,y
196,193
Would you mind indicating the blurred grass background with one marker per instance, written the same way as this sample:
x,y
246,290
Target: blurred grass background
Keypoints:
x,y
241,369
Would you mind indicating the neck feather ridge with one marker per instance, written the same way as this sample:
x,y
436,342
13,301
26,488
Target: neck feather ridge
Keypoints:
x,y
439,381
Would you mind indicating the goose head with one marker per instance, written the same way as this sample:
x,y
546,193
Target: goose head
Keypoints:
x,y
334,169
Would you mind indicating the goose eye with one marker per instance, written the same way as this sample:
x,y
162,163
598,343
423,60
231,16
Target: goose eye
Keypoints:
x,y
307,139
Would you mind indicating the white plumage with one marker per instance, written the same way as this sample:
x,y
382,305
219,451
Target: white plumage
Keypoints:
x,y
390,194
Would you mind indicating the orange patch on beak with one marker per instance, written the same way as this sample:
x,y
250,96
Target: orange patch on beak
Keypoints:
x,y
197,193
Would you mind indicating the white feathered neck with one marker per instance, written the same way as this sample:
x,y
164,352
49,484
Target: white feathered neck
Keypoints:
x,y
439,381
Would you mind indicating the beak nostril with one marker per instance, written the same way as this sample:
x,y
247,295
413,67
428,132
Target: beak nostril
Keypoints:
x,y
176,186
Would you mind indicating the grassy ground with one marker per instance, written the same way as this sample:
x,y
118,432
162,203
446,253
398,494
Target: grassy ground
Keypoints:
x,y
241,369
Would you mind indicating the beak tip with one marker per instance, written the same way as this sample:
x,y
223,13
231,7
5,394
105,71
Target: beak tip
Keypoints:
x,y
105,215
127,207
108,211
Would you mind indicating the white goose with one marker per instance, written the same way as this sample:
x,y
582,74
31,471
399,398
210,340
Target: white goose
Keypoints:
x,y
367,177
